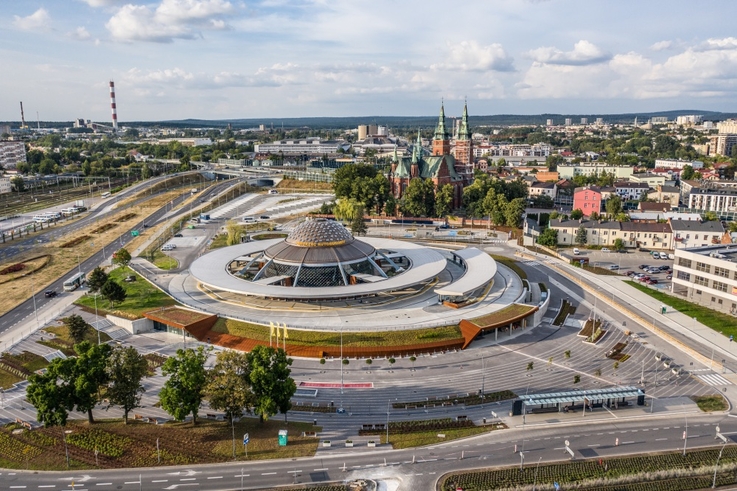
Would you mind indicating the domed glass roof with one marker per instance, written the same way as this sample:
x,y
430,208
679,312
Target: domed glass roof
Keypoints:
x,y
319,233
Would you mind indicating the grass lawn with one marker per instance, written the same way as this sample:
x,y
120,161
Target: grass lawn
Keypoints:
x,y
142,297
711,403
294,184
502,316
7,379
407,440
162,261
220,240
269,236
352,339
134,444
726,324
511,264
29,361
63,341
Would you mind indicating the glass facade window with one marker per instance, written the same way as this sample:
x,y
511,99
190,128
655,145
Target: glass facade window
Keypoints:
x,y
719,286
723,272
686,263
682,275
700,280
703,267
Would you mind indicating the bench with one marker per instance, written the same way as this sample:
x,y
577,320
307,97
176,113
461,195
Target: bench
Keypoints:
x,y
552,409
461,418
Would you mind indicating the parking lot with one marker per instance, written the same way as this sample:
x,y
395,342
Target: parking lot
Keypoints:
x,y
624,262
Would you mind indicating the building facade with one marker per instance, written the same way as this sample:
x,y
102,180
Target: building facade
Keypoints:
x,y
718,199
689,233
630,191
708,276
12,154
587,199
5,185
605,233
308,146
569,171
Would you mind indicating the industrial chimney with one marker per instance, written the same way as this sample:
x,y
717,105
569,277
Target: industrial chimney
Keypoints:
x,y
112,106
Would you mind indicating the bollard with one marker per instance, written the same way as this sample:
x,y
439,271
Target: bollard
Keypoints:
x,y
616,442
515,448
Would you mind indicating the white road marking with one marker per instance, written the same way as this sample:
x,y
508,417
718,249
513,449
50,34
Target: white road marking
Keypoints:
x,y
627,443
594,445
47,486
319,470
161,480
268,473
215,477
104,484
660,439
188,479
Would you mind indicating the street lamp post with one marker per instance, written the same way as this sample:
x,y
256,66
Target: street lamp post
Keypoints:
x,y
534,481
716,467
685,433
97,322
388,404
483,378
341,362
66,447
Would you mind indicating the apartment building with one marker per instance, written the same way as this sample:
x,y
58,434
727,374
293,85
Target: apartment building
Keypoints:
x,y
11,154
717,198
5,185
708,276
308,146
678,164
689,233
588,199
569,171
542,188
605,233
652,179
665,194
628,190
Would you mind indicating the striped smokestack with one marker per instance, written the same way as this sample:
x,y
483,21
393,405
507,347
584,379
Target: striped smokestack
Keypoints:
x,y
112,106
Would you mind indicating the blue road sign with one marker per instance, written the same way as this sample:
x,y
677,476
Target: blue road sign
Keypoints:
x,y
246,439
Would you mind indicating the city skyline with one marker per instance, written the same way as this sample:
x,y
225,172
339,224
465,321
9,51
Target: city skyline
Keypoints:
x,y
218,59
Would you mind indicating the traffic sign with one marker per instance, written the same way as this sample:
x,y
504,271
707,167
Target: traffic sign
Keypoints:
x,y
246,439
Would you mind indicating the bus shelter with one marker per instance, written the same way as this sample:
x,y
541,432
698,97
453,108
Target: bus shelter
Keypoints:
x,y
590,399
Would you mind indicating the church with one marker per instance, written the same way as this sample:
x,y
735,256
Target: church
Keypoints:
x,y
442,167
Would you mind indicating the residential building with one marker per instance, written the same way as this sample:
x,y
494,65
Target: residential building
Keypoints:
x,y
630,191
569,171
542,188
11,154
4,129
725,144
689,120
654,216
186,142
678,164
605,233
307,146
587,199
564,193
5,186
728,127
707,276
650,206
650,179
665,194
718,199
687,233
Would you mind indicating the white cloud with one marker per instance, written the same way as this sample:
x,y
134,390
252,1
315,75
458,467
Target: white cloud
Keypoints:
x,y
471,56
661,45
583,53
40,18
717,44
103,3
172,19
80,34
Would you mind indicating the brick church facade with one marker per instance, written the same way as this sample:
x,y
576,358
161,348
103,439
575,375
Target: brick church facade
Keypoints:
x,y
440,166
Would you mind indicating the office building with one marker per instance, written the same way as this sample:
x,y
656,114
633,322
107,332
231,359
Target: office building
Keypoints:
x,y
708,276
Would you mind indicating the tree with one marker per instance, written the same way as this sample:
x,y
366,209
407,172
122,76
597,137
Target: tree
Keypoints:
x,y
621,217
513,212
732,226
530,365
613,205
96,279
567,354
50,397
146,172
358,226
581,236
594,216
710,216
122,257
271,384
444,200
88,375
618,245
234,230
543,201
687,173
183,392
18,184
113,292
228,388
549,238
348,209
126,368
77,327
552,161
576,214
419,198
576,379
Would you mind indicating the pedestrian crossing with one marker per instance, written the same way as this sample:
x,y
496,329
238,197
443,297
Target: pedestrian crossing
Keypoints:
x,y
714,379
532,263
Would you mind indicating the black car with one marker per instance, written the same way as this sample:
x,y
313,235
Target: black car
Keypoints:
x,y
664,267
50,294
178,235
642,266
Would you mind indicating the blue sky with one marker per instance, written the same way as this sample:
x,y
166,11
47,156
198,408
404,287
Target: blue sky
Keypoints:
x,y
217,59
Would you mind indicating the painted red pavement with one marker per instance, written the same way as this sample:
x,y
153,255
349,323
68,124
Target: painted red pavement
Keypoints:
x,y
330,385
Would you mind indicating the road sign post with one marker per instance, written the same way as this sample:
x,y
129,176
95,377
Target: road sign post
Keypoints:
x,y
246,439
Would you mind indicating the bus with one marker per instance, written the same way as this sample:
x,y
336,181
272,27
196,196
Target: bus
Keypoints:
x,y
74,282
105,194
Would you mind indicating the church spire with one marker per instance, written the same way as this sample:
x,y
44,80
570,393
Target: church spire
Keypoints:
x,y
417,149
441,133
464,133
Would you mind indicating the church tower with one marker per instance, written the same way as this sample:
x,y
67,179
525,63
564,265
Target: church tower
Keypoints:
x,y
441,139
464,143
416,157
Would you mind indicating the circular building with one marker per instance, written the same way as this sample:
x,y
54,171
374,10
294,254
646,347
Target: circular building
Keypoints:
x,y
320,259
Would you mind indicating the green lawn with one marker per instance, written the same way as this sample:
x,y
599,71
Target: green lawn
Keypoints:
x,y
711,403
511,264
162,261
352,339
7,379
142,297
419,439
723,323
220,240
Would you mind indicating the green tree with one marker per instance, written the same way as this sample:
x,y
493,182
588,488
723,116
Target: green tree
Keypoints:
x,y
576,379
88,375
126,368
96,279
363,183
613,205
113,292
234,230
530,366
444,201
581,236
710,216
622,217
271,384
50,396
228,387
687,173
77,327
549,238
348,209
18,184
543,201
618,245
146,172
576,214
513,212
419,198
358,226
183,392
732,226
122,257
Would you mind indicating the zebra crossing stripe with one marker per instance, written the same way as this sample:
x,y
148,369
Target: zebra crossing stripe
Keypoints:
x,y
714,379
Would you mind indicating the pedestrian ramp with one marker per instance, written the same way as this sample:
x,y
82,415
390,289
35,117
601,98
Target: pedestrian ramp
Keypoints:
x,y
54,355
714,379
101,324
115,332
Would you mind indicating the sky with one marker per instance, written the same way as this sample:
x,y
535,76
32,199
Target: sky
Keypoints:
x,y
227,59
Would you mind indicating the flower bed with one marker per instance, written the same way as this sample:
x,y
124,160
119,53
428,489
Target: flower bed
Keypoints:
x,y
126,217
13,268
13,449
106,443
104,228
74,242
469,400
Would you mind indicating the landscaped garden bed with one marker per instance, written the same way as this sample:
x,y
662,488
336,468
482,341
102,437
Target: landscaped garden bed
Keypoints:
x,y
104,228
23,268
565,310
75,241
504,316
468,400
125,217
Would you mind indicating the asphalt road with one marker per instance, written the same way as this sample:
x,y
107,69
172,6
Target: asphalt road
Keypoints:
x,y
417,468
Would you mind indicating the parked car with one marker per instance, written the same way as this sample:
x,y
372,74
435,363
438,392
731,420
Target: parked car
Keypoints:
x,y
613,267
644,278
576,252
604,249
50,293
642,266
652,281
664,267
669,277
130,278
264,217
178,235
630,273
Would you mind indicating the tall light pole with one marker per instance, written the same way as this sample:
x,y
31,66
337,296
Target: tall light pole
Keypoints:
x,y
685,433
483,378
341,362
534,481
716,467
388,403
66,447
97,322
33,294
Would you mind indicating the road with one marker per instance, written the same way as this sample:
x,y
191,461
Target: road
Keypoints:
x,y
26,309
418,468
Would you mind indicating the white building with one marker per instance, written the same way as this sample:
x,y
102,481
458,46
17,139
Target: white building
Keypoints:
x,y
309,146
11,154
5,186
689,120
718,199
542,188
708,276
568,171
687,233
678,164
631,190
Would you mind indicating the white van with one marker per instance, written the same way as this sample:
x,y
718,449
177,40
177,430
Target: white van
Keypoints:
x,y
249,219
273,191
576,252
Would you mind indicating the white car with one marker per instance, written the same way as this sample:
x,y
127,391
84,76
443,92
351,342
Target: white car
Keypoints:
x,y
604,249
